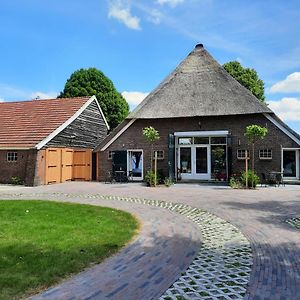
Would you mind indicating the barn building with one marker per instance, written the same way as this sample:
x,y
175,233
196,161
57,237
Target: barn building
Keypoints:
x,y
50,141
201,113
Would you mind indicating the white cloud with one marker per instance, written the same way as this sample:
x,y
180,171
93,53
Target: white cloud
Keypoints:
x,y
42,95
1,100
134,98
291,84
172,3
288,109
120,11
154,16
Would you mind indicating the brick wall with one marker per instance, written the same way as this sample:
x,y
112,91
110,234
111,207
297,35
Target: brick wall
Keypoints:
x,y
23,168
132,138
31,167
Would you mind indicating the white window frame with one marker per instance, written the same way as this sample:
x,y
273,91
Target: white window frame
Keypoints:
x,y
159,157
297,163
242,157
12,154
264,154
128,163
193,174
110,155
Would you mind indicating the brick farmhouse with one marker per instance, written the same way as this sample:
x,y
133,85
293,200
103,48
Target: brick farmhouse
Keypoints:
x,y
201,113
50,141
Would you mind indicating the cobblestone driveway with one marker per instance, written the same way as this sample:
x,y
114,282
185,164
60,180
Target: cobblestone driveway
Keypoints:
x,y
261,215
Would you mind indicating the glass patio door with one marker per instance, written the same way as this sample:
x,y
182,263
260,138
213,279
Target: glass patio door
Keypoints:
x,y
135,164
201,160
186,161
290,164
194,162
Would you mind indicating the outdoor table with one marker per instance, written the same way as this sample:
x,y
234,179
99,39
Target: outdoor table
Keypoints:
x,y
277,177
120,176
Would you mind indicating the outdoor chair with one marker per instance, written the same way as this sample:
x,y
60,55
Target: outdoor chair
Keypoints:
x,y
120,176
263,180
279,179
130,176
109,178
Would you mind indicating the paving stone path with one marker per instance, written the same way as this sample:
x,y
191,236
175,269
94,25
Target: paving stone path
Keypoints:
x,y
166,245
260,214
220,270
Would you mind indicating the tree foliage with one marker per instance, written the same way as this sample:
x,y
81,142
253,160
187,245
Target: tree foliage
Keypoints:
x,y
255,132
89,82
246,77
151,134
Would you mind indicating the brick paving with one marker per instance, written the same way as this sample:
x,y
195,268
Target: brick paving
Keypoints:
x,y
259,214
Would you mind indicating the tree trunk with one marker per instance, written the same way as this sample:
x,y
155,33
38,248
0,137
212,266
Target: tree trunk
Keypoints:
x,y
151,157
252,177
155,168
246,169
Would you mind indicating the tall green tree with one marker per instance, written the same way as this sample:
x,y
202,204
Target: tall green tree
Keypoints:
x,y
89,82
246,77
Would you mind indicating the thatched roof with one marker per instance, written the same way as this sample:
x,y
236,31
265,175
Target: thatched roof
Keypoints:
x,y
199,86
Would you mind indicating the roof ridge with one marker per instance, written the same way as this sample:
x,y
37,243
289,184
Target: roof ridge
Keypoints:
x,y
48,99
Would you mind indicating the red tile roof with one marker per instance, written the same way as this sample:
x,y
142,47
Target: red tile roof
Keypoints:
x,y
26,123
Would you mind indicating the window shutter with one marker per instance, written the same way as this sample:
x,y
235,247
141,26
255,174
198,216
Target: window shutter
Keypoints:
x,y
171,156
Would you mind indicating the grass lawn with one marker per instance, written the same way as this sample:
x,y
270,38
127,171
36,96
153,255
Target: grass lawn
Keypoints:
x,y
42,242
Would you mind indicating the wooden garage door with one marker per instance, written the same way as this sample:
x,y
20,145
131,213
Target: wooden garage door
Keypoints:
x,y
82,160
63,164
66,165
53,165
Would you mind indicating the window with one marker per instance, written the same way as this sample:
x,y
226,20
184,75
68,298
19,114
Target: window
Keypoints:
x,y
12,156
185,141
265,154
218,140
218,161
201,140
160,154
241,153
110,155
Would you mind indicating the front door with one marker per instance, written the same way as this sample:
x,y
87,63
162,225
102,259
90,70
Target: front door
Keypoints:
x,y
135,164
194,162
201,160
290,164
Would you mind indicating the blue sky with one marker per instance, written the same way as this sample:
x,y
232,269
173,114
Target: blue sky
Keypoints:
x,y
137,43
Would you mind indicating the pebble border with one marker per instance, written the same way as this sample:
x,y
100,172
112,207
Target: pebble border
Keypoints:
x,y
220,271
294,222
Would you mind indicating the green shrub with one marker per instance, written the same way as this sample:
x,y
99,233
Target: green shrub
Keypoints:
x,y
161,176
150,179
251,175
239,181
16,180
235,181
168,182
